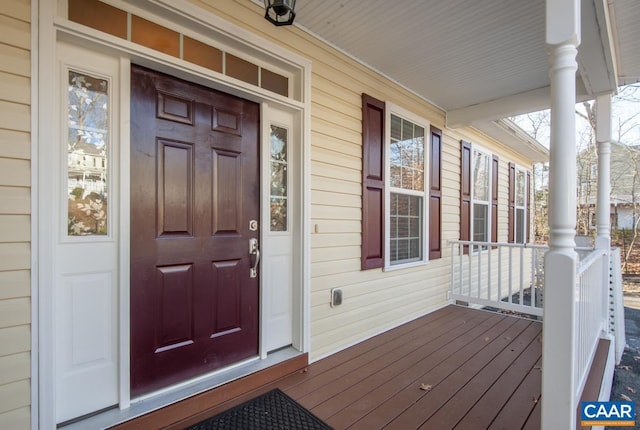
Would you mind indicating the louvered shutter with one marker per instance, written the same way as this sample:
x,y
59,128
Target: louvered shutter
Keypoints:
x,y
512,201
435,194
528,216
494,199
465,192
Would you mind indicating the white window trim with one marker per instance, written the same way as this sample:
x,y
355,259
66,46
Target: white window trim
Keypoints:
x,y
473,201
516,207
392,109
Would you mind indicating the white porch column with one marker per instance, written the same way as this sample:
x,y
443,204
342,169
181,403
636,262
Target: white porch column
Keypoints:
x,y
559,378
603,138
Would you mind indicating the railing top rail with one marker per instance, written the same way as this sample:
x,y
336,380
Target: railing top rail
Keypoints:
x,y
511,245
590,259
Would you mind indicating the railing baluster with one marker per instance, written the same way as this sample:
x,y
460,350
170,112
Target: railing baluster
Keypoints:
x,y
510,275
521,299
489,255
532,288
479,273
499,274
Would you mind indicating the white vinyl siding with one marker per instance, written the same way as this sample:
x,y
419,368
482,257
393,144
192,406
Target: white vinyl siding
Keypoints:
x,y
15,227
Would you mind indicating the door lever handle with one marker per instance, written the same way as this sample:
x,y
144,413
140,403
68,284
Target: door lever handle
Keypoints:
x,y
254,250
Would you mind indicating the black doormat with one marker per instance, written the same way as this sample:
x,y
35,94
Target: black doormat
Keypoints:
x,y
273,410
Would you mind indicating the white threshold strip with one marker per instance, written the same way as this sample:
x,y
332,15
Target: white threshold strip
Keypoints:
x,y
175,393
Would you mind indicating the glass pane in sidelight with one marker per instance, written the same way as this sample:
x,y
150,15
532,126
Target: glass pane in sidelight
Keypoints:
x,y
87,154
278,178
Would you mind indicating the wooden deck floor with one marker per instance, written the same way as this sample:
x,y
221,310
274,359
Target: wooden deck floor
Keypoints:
x,y
454,368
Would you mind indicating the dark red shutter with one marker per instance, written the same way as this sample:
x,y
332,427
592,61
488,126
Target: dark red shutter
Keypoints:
x,y
528,197
512,202
494,199
373,116
465,192
435,194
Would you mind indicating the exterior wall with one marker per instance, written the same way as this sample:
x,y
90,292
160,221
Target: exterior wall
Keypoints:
x,y
15,303
373,300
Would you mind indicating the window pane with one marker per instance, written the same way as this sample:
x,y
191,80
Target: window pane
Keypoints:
x,y
395,163
88,124
406,232
406,156
279,178
520,197
480,176
480,222
520,225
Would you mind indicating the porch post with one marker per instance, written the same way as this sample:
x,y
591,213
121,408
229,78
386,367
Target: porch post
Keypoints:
x,y
603,203
559,401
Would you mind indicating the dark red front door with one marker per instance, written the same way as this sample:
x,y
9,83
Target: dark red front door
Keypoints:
x,y
194,190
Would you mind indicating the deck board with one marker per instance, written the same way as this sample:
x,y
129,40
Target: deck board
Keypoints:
x,y
477,370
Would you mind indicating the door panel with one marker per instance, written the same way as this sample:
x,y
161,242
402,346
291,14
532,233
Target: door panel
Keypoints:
x,y
194,189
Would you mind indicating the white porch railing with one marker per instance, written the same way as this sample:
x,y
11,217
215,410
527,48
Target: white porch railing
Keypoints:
x,y
505,276
510,277
591,315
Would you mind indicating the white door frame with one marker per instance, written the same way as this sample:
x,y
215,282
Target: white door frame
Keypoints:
x,y
47,28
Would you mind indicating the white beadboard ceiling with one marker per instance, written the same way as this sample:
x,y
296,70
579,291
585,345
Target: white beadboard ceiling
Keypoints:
x,y
479,60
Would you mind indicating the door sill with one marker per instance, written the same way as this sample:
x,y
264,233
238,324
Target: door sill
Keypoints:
x,y
177,393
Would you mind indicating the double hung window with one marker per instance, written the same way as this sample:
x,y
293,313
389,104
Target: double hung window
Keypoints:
x,y
478,195
406,191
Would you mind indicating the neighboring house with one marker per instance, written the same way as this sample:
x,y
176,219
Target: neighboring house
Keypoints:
x,y
183,186
625,186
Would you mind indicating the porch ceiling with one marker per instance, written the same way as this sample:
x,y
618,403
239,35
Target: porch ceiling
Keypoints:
x,y
479,60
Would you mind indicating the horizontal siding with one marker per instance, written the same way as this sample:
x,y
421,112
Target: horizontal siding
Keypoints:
x,y
15,200
14,312
14,395
15,88
14,60
15,32
15,228
14,284
15,367
15,144
14,116
14,339
16,419
18,9
15,219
